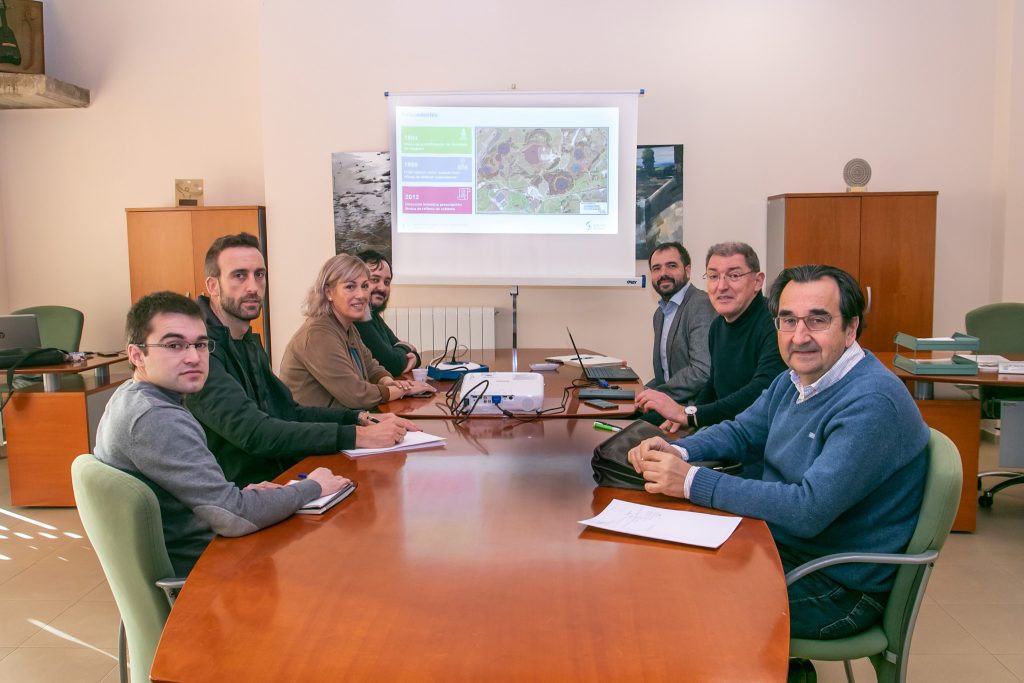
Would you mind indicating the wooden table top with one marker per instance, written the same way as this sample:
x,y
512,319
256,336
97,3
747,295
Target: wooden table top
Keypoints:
x,y
500,360
987,379
468,563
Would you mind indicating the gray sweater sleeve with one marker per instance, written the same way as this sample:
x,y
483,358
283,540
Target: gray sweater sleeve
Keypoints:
x,y
168,446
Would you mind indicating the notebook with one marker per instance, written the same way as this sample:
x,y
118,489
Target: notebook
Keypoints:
x,y
606,372
19,332
325,503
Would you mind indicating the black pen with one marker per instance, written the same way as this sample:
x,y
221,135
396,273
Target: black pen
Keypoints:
x,y
371,418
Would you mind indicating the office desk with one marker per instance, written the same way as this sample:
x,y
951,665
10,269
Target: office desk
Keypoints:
x,y
960,420
500,360
48,426
467,563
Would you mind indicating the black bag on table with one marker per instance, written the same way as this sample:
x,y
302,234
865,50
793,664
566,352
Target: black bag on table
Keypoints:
x,y
611,461
12,359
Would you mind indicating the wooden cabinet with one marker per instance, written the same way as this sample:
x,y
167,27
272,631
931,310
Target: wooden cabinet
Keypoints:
x,y
167,248
884,239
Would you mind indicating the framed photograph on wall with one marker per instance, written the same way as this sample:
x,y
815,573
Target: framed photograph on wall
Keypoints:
x,y
659,197
362,201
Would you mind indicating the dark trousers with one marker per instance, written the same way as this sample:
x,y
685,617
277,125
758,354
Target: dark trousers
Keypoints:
x,y
823,609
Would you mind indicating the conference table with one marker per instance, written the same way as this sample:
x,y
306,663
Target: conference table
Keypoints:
x,y
49,424
959,419
559,386
467,563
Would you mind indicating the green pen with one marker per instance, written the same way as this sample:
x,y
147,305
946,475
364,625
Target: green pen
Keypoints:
x,y
606,427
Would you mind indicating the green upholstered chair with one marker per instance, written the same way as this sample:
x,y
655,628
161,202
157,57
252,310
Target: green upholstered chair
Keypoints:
x,y
59,326
121,516
888,643
1000,329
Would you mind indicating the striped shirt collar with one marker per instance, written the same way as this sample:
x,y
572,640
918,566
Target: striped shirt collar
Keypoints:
x,y
850,357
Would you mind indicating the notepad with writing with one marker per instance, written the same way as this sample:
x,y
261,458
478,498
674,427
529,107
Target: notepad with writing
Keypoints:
x,y
412,441
325,503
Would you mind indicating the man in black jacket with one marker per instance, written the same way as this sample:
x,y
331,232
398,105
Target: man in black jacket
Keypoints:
x,y
396,356
253,426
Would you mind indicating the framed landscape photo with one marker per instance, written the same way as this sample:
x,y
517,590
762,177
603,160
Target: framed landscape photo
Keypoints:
x,y
659,197
362,201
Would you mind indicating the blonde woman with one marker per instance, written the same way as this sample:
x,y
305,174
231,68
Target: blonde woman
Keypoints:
x,y
326,363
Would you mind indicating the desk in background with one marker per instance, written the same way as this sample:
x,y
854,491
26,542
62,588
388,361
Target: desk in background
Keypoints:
x,y
48,425
467,563
500,360
960,420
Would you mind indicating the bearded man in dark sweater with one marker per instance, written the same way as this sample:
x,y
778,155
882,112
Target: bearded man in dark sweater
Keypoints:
x,y
397,356
744,351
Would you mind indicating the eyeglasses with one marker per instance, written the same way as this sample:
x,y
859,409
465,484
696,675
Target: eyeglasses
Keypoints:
x,y
181,347
819,322
714,277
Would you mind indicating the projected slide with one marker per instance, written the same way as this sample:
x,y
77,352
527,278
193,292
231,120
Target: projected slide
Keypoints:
x,y
512,170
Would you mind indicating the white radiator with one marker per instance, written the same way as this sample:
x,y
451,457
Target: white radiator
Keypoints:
x,y
428,328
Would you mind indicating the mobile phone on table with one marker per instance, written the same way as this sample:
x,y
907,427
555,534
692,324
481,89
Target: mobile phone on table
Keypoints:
x,y
600,404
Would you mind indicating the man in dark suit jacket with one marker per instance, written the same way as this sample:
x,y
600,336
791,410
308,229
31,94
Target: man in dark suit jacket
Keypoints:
x,y
682,362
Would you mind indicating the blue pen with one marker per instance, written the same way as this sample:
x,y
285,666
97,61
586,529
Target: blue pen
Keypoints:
x,y
301,476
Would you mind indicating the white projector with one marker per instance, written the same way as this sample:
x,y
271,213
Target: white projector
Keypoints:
x,y
497,391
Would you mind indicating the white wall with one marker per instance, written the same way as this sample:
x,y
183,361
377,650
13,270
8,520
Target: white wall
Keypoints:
x,y
174,94
767,97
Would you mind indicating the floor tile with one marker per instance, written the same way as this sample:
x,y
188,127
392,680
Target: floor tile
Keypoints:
x,y
999,628
958,669
65,574
936,633
15,627
100,593
973,582
4,651
1015,663
65,665
95,623
833,672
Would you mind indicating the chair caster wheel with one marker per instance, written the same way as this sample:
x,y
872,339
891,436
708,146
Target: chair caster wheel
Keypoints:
x,y
985,500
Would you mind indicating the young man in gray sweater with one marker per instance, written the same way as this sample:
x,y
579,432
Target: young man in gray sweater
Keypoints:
x,y
147,432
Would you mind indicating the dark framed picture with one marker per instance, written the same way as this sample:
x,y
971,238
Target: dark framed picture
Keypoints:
x,y
362,201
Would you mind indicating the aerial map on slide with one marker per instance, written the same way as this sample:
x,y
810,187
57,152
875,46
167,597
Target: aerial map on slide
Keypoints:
x,y
542,171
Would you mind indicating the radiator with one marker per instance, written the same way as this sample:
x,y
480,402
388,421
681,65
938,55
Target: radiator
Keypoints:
x,y
428,328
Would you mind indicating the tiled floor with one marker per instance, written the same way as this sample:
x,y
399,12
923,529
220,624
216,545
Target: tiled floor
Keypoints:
x,y
58,621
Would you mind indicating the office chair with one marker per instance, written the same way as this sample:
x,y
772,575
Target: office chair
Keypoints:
x,y
1000,329
59,326
888,642
121,517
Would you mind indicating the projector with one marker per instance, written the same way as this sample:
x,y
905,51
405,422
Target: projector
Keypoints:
x,y
509,391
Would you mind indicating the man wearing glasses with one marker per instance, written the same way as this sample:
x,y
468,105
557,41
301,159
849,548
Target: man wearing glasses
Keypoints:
x,y
843,452
146,430
744,356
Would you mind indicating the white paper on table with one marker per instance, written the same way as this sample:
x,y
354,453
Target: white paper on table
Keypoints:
x,y
678,526
412,441
589,360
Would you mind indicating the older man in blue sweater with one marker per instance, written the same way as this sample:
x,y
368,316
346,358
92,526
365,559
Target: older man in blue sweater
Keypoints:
x,y
843,449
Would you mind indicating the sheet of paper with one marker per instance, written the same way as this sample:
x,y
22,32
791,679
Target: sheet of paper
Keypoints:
x,y
325,503
678,526
589,360
412,440
984,359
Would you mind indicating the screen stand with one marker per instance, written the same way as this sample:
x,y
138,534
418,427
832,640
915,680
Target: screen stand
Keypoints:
x,y
514,291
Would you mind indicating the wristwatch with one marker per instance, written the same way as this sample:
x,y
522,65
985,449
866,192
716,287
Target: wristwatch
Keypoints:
x,y
691,416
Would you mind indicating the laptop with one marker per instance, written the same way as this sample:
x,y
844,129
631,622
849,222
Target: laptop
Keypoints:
x,y
610,372
19,331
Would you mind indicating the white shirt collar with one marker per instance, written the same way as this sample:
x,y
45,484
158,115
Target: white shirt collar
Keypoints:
x,y
853,354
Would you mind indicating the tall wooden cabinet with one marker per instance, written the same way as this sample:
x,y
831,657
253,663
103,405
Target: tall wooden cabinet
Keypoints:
x,y
167,248
884,239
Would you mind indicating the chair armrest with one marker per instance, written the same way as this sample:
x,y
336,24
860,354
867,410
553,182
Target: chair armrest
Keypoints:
x,y
171,587
847,558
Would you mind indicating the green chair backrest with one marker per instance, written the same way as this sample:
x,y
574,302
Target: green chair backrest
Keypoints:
x,y
121,516
938,508
1000,327
59,326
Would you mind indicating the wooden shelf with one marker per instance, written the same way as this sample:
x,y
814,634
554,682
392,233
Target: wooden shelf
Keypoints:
x,y
39,91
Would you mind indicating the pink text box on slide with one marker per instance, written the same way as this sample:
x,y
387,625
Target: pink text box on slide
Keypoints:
x,y
438,200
